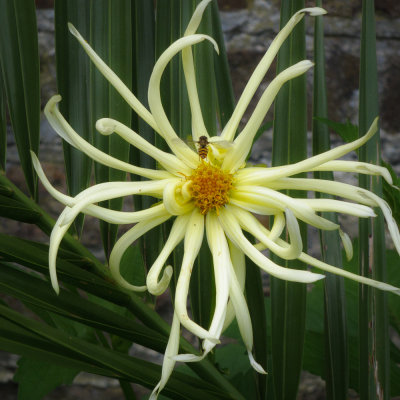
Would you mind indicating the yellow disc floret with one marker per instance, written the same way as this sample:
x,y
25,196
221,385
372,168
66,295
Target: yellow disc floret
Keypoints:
x,y
210,187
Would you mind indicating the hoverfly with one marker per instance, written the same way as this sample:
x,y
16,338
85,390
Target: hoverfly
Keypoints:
x,y
203,145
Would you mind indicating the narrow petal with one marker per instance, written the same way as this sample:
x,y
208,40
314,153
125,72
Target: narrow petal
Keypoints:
x,y
259,195
154,96
168,161
261,69
62,127
338,271
347,245
124,242
242,144
222,268
239,267
116,82
339,206
346,191
357,167
110,216
193,241
243,319
198,127
178,230
112,190
266,175
235,234
277,227
250,224
169,362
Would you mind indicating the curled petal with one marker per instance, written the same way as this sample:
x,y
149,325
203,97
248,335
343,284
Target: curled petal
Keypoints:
x,y
124,242
249,223
265,175
235,234
110,75
242,144
222,269
357,167
169,357
168,161
193,241
176,235
354,277
111,190
173,200
269,197
154,96
261,69
358,210
243,319
64,129
198,127
239,267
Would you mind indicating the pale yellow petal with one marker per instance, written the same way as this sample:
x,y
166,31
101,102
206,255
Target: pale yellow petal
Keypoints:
x,y
124,242
169,362
168,161
261,69
266,175
62,127
116,82
193,241
235,234
176,235
184,153
242,145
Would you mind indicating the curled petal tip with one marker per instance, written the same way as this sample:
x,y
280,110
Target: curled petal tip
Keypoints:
x,y
105,126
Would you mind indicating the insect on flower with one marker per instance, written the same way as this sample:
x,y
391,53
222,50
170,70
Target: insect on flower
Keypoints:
x,y
211,193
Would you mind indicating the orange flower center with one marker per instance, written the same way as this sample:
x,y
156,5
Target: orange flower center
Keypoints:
x,y
210,187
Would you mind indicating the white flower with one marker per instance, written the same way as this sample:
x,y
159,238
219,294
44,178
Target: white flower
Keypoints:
x,y
216,194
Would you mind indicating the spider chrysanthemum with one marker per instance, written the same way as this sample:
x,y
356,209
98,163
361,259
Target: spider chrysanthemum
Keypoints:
x,y
214,194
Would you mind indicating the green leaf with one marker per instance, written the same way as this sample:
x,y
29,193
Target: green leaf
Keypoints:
x,y
334,317
31,371
110,26
347,131
132,266
288,299
256,303
73,85
224,88
374,343
12,209
3,124
19,59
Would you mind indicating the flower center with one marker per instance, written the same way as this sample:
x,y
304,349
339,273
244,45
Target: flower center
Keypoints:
x,y
210,187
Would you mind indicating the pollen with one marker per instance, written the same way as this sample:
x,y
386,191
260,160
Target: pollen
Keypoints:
x,y
210,187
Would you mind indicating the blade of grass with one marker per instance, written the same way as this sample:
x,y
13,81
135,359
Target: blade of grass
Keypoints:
x,y
19,60
288,299
336,370
373,317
